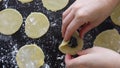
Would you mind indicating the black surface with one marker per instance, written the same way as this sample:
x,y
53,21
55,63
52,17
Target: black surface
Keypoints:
x,y
49,43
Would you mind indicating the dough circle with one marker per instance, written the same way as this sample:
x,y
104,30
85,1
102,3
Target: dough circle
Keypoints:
x,y
108,39
10,21
115,16
36,25
30,56
66,49
25,1
55,5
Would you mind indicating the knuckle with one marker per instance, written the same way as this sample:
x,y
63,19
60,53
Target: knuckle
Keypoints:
x,y
63,14
81,14
75,7
68,29
68,65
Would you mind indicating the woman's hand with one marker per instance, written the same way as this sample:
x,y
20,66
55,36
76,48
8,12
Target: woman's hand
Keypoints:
x,y
89,13
95,57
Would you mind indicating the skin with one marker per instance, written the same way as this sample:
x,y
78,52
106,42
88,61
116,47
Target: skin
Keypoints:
x,y
96,57
89,14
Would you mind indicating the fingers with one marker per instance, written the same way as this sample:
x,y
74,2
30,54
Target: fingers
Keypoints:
x,y
66,12
87,51
85,29
66,21
68,58
72,27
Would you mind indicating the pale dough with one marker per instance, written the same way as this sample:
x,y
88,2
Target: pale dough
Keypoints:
x,y
66,49
108,39
10,21
55,5
36,25
30,56
25,1
115,16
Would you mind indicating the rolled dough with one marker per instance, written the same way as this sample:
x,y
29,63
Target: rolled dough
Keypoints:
x,y
10,21
25,1
36,25
108,39
115,16
55,5
30,56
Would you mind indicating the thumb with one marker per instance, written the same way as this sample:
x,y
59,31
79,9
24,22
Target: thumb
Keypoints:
x,y
87,27
68,58
87,51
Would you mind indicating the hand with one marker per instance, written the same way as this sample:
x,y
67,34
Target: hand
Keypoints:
x,y
89,13
96,57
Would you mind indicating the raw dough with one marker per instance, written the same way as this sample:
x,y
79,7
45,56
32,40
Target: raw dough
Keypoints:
x,y
10,21
65,48
108,39
115,16
30,56
36,25
25,1
55,5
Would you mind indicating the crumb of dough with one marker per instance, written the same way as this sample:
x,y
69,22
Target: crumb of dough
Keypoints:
x,y
10,21
30,56
115,16
36,25
66,49
25,1
54,5
108,39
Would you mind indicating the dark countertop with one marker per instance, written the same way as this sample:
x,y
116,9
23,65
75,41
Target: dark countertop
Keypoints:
x,y
49,43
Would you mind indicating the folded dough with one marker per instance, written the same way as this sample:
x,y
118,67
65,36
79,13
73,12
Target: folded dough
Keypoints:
x,y
30,56
65,47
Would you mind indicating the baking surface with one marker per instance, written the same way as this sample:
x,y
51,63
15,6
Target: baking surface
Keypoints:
x,y
49,43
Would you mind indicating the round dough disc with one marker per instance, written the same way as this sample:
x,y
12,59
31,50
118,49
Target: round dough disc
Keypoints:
x,y
10,21
36,25
66,49
30,56
115,16
108,39
54,5
25,1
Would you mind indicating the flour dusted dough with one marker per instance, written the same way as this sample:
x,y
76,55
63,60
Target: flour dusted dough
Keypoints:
x,y
30,56
10,21
115,16
108,39
65,48
54,5
25,1
36,25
